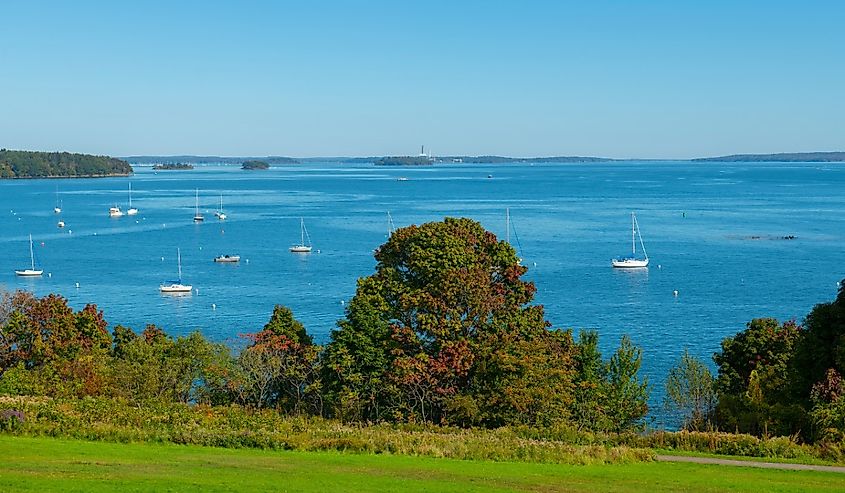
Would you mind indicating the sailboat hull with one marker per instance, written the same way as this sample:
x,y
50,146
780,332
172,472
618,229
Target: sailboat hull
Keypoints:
x,y
28,273
175,288
629,263
300,249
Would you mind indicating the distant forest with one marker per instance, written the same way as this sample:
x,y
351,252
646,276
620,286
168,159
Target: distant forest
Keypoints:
x,y
32,164
788,157
208,159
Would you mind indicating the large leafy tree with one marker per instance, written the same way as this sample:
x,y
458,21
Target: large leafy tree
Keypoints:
x,y
754,377
443,332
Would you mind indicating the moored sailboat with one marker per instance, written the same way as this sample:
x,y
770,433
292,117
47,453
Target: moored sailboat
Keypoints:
x,y
632,260
303,247
32,271
131,211
197,216
176,286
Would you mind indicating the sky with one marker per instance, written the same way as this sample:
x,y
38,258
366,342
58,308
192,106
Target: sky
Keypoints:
x,y
623,79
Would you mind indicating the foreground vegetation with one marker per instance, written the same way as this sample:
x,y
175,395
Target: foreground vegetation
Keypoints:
x,y
30,164
65,465
440,354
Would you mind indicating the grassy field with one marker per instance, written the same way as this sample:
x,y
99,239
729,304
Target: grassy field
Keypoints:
x,y
48,464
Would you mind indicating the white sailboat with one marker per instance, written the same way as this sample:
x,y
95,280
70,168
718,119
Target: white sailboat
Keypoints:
x,y
176,286
220,214
508,228
303,247
632,260
58,208
391,228
32,271
197,216
131,211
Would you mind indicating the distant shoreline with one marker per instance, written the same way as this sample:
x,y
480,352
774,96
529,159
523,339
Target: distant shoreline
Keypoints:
x,y
57,177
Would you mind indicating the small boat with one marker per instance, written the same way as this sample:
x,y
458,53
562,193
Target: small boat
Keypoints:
x,y
32,271
176,286
197,216
402,178
303,247
227,258
219,214
632,261
58,208
115,211
61,224
131,211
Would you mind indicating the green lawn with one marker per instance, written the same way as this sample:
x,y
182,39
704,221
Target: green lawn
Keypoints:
x,y
47,464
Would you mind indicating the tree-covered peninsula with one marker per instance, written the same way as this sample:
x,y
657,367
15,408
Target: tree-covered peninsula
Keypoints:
x,y
33,164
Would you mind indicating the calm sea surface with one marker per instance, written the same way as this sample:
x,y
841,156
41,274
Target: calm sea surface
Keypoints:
x,y
713,232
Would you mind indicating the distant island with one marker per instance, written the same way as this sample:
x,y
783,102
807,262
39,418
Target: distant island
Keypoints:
x,y
173,166
189,159
34,164
785,157
255,165
403,161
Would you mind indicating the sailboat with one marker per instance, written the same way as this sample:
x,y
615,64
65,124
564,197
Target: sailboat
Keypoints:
x,y
391,228
176,286
508,233
58,208
220,214
197,216
131,211
32,271
303,247
632,260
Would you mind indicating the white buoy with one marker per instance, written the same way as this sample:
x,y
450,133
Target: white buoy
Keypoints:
x,y
197,290
318,251
49,274
77,285
535,264
342,302
200,248
213,306
247,260
675,292
659,266
162,259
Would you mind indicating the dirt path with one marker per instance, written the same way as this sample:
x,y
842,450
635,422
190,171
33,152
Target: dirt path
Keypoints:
x,y
748,463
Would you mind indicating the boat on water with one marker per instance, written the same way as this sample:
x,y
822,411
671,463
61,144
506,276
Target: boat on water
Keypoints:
x,y
197,216
115,211
303,247
58,208
61,224
32,271
508,227
633,261
131,211
176,286
219,214
227,258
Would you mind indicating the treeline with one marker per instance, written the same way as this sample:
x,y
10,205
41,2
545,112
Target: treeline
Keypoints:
x,y
32,164
790,157
255,165
441,333
208,159
773,379
403,161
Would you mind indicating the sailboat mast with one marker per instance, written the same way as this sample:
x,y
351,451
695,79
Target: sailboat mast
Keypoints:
x,y
642,245
390,226
179,263
197,207
302,230
130,194
31,253
507,225
633,234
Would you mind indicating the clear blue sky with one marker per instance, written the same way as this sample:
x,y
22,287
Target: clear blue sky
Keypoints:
x,y
656,79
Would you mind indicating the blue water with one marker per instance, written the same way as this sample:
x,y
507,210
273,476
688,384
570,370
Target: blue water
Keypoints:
x,y
697,221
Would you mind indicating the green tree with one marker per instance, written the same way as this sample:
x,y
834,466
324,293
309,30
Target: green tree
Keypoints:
x,y
691,391
754,377
821,347
443,332
627,394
